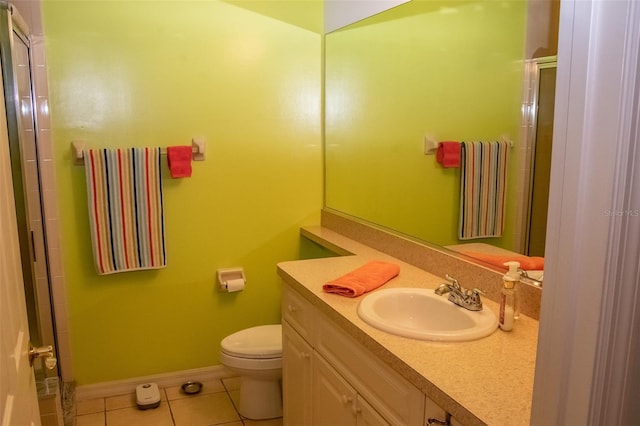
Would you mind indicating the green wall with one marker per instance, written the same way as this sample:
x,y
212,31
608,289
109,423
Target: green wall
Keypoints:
x,y
450,69
158,73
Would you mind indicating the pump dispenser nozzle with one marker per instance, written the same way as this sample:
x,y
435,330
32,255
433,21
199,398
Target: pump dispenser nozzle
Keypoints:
x,y
513,274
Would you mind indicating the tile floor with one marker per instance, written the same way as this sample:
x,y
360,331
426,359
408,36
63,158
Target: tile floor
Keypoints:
x,y
215,405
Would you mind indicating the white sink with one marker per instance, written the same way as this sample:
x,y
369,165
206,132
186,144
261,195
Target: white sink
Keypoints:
x,y
419,313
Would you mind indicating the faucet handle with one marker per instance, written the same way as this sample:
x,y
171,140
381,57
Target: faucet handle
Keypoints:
x,y
474,297
453,281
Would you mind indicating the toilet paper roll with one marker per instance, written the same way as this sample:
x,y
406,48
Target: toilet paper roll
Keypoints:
x,y
235,285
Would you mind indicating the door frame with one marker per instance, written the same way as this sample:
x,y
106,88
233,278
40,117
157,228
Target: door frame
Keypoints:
x,y
589,311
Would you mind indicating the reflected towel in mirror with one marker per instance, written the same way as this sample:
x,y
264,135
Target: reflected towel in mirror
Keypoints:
x,y
530,263
483,187
448,154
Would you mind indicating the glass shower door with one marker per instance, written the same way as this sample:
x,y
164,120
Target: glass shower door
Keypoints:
x,y
25,168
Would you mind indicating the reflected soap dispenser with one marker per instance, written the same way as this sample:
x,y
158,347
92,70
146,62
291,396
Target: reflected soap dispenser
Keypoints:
x,y
509,306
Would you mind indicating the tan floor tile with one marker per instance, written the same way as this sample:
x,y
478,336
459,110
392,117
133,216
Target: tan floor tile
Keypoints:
x,y
89,406
210,407
203,410
270,422
231,383
209,387
120,401
96,419
160,416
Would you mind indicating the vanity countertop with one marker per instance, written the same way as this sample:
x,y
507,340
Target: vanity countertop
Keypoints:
x,y
487,381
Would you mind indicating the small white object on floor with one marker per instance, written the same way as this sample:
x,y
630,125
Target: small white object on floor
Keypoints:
x,y
147,396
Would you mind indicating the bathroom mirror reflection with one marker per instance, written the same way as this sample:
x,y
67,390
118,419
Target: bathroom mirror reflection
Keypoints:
x,y
447,70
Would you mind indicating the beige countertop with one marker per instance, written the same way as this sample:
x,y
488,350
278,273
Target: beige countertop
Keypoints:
x,y
487,381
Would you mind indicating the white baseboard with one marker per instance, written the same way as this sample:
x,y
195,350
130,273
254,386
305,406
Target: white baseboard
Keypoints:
x,y
120,387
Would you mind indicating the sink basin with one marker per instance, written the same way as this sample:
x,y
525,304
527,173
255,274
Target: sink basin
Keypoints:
x,y
419,313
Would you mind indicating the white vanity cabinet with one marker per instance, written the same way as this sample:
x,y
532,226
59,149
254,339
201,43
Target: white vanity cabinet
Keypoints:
x,y
297,355
330,379
336,402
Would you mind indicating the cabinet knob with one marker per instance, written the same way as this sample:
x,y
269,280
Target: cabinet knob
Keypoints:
x,y
291,308
305,355
346,399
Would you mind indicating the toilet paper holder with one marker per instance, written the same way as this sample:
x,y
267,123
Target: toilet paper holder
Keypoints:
x,y
228,274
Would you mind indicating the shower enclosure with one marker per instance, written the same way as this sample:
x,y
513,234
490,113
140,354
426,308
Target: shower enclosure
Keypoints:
x,y
537,140
15,55
541,142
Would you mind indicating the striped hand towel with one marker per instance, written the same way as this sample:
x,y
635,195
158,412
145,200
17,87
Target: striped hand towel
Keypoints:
x,y
124,188
483,184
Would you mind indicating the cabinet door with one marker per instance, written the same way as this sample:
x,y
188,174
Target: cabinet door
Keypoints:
x,y
334,400
296,378
393,396
367,416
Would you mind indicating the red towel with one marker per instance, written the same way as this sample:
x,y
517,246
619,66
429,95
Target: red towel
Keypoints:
x,y
448,154
366,278
179,159
528,263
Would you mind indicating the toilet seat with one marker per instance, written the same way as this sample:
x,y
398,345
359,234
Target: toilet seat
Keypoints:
x,y
250,364
255,354
261,342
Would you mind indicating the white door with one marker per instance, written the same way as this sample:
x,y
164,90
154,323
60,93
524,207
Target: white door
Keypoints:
x,y
18,399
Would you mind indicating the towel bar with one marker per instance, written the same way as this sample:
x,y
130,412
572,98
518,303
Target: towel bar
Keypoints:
x,y
431,144
198,148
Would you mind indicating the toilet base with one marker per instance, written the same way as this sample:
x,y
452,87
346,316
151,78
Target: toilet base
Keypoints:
x,y
260,398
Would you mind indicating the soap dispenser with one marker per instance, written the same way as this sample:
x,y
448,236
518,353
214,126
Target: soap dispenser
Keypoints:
x,y
509,306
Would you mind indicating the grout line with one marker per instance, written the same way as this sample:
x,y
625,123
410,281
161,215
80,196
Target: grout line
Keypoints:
x,y
234,407
173,420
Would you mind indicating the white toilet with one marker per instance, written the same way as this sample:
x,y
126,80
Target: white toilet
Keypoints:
x,y
256,355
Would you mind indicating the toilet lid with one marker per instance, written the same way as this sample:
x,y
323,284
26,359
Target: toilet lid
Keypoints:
x,y
264,341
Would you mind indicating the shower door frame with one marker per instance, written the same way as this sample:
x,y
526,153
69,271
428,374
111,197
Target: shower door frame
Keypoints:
x,y
29,209
528,137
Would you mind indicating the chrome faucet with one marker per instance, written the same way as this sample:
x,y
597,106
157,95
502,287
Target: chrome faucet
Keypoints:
x,y
468,299
535,281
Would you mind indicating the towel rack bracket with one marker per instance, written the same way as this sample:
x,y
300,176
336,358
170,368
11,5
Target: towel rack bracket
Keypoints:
x,y
430,145
198,145
77,151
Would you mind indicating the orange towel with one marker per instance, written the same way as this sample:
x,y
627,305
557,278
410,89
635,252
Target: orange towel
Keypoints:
x,y
366,278
528,263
